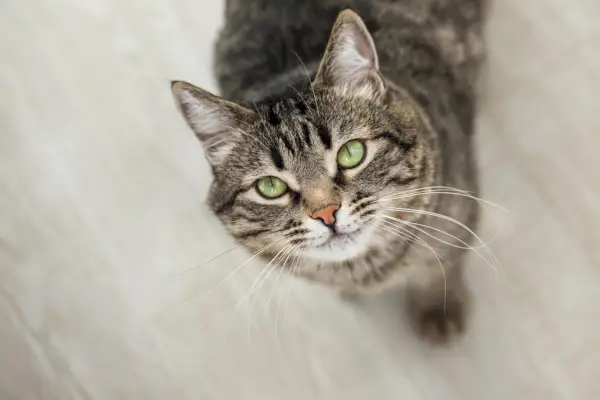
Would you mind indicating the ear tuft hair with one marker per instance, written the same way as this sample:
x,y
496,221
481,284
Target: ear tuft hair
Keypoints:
x,y
214,120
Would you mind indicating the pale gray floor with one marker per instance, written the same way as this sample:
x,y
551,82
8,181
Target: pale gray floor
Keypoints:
x,y
101,201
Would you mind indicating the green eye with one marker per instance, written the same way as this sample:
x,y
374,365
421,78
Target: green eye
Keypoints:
x,y
271,187
351,154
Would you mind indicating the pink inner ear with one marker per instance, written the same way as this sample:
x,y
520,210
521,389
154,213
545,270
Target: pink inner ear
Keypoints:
x,y
363,47
351,61
354,54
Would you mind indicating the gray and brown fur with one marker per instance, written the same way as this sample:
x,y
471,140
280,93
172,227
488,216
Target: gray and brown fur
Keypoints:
x,y
429,52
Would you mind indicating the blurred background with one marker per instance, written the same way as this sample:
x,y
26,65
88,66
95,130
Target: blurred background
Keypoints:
x,y
102,211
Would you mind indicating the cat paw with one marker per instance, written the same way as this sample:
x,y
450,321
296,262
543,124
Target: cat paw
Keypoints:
x,y
440,323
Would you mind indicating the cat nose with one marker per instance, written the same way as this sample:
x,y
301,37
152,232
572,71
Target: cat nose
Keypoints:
x,y
327,214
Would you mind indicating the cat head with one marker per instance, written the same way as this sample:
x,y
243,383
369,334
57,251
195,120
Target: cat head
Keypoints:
x,y
311,171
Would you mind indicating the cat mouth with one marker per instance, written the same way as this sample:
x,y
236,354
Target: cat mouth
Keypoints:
x,y
340,246
338,239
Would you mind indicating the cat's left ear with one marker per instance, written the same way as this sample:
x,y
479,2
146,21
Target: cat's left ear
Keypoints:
x,y
350,62
215,121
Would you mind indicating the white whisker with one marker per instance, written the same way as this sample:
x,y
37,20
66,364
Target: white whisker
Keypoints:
x,y
253,256
426,188
421,241
285,252
281,268
450,219
295,257
289,286
465,245
263,275
439,190
229,250
403,236
246,296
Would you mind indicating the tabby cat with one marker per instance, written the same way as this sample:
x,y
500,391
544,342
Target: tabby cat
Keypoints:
x,y
345,153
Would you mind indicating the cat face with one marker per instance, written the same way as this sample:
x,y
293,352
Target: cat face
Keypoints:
x,y
310,172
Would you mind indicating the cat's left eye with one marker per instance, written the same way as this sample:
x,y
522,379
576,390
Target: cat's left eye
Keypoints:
x,y
351,154
271,187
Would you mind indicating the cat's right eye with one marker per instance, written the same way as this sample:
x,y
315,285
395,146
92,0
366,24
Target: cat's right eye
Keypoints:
x,y
271,187
351,155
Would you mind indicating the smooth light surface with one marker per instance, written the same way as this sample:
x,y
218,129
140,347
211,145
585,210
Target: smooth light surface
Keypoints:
x,y
102,192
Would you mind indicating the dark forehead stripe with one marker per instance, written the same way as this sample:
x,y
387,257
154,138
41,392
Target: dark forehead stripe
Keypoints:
x,y
324,135
276,157
287,143
301,106
272,117
306,134
299,140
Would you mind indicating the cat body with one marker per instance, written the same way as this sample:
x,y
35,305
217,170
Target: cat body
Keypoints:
x,y
367,130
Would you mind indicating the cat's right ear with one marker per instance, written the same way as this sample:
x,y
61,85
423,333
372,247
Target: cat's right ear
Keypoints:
x,y
215,121
350,62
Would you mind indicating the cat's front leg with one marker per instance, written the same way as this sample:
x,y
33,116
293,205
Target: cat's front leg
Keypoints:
x,y
438,304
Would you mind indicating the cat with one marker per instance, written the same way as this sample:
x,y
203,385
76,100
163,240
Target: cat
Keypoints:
x,y
342,144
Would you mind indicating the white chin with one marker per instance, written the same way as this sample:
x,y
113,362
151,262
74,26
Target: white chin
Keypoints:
x,y
341,248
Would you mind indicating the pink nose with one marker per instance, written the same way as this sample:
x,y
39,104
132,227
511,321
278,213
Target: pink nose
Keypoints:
x,y
327,214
